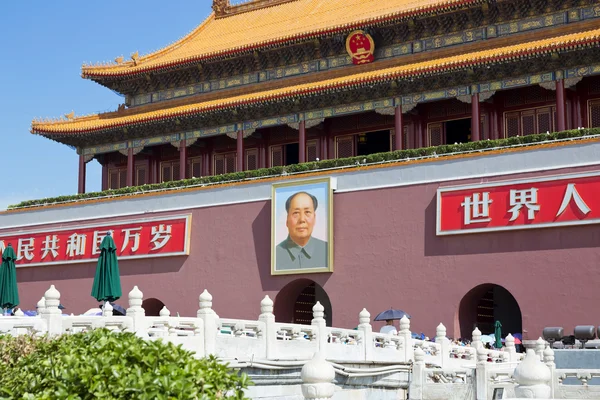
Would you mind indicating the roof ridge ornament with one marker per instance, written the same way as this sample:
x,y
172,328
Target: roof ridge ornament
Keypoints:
x,y
224,8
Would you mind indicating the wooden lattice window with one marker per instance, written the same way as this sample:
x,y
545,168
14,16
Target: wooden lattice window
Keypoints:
x,y
277,156
195,167
141,175
594,113
224,163
530,122
435,134
312,150
251,159
117,178
169,171
344,146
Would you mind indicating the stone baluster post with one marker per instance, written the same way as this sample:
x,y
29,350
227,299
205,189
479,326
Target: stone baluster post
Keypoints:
x,y
540,346
107,310
442,340
52,313
417,383
317,379
41,307
364,319
510,348
549,361
407,339
533,378
481,370
476,340
211,322
169,325
137,313
318,322
267,316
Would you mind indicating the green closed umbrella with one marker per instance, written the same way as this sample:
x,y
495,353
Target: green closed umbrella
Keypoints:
x,y
107,281
9,292
498,334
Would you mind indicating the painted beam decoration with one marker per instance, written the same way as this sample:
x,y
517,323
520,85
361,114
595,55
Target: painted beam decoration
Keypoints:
x,y
143,238
545,202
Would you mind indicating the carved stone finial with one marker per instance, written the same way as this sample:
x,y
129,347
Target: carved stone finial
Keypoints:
x,y
41,306
440,331
19,313
266,305
135,297
107,310
164,312
52,300
476,334
404,324
317,379
532,377
510,341
419,355
364,317
205,300
318,311
548,356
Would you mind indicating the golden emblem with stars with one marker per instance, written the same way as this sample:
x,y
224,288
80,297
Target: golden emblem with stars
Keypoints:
x,y
361,47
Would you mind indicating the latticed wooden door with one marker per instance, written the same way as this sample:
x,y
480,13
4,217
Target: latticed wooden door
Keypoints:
x,y
344,146
140,175
305,302
312,150
251,159
594,113
277,156
435,134
195,167
224,163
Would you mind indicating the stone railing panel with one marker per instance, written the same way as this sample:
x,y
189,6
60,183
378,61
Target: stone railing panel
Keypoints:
x,y
344,344
241,339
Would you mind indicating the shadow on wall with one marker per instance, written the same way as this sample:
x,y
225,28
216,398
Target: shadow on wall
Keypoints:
x,y
583,236
53,273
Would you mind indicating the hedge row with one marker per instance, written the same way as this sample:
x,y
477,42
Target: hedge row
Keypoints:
x,y
353,162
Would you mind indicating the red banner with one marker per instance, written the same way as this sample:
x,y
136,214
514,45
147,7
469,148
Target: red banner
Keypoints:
x,y
144,238
521,204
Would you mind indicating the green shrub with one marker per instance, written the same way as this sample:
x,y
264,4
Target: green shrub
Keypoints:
x,y
351,162
104,365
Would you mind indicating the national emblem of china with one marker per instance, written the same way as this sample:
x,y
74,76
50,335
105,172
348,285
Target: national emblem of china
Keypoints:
x,y
361,47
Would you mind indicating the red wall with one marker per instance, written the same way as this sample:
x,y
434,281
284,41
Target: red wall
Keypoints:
x,y
386,254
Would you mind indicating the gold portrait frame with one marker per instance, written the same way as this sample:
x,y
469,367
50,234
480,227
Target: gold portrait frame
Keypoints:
x,y
329,184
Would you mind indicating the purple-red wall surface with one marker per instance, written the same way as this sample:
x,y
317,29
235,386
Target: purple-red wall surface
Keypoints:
x,y
386,254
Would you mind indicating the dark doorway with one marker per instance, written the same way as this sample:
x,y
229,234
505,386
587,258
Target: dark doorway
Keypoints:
x,y
291,153
373,142
486,304
294,303
458,131
152,307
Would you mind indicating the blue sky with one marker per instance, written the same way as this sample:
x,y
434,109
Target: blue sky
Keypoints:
x,y
44,44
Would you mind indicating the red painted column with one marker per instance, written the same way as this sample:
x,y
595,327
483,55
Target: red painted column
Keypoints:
x,y
104,176
302,142
81,180
475,118
130,169
560,106
578,116
240,151
182,160
398,127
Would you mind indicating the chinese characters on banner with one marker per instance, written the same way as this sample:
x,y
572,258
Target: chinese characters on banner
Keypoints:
x,y
532,203
146,238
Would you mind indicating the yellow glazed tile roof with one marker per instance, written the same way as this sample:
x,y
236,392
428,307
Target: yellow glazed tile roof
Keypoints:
x,y
300,19
97,123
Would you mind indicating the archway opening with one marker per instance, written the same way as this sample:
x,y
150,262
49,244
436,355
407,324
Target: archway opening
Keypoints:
x,y
485,304
294,303
152,307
